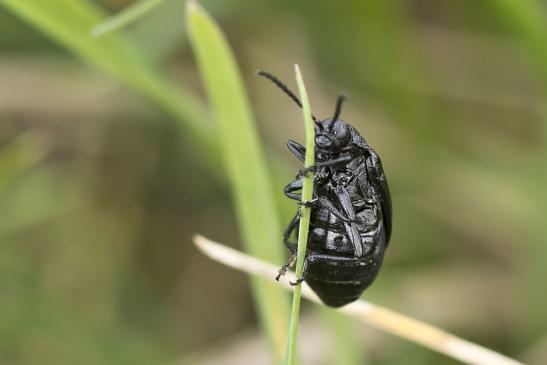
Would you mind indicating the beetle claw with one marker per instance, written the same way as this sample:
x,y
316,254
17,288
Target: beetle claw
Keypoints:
x,y
298,281
309,203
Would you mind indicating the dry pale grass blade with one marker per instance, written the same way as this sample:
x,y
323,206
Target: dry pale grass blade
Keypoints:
x,y
379,317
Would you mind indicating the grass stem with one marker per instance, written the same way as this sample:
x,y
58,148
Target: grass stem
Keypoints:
x,y
307,195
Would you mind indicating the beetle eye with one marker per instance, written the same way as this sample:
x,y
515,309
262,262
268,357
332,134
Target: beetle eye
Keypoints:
x,y
341,133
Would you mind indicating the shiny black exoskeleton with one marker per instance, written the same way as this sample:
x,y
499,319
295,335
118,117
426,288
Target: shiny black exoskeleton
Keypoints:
x,y
350,225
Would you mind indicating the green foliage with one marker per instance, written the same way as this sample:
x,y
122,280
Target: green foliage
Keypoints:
x,y
131,14
95,255
69,22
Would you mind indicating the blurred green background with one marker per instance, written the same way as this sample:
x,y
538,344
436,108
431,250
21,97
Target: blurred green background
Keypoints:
x,y
101,187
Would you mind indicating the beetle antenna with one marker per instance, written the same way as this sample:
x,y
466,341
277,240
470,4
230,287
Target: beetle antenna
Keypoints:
x,y
338,109
284,88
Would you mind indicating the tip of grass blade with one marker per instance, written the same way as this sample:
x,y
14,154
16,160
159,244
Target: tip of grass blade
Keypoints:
x,y
192,6
194,9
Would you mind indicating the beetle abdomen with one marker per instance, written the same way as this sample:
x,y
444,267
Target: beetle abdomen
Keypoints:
x,y
339,280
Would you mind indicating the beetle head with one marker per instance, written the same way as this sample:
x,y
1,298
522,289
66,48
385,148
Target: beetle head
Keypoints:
x,y
333,134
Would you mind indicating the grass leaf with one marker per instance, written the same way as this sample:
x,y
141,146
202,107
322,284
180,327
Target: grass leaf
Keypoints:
x,y
245,164
130,14
69,22
307,195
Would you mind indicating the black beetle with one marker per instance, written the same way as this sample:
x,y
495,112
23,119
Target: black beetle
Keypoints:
x,y
350,225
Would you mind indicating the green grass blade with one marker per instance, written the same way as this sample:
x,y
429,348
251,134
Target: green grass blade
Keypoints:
x,y
68,22
130,14
245,164
307,195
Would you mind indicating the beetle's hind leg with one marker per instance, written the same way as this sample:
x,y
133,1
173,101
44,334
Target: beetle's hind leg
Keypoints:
x,y
292,246
287,266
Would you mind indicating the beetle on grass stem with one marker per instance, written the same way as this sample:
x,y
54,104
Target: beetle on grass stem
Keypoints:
x,y
350,225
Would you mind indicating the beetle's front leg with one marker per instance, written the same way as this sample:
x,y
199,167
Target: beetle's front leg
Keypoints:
x,y
290,189
308,204
297,149
340,161
303,172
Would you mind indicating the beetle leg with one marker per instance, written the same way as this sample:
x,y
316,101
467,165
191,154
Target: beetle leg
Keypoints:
x,y
355,238
304,273
287,234
327,204
345,201
290,189
378,181
306,170
309,204
290,245
351,226
297,149
314,168
284,268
